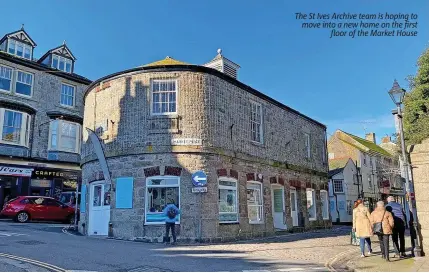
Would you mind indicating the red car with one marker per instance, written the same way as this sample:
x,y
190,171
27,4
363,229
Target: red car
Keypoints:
x,y
25,208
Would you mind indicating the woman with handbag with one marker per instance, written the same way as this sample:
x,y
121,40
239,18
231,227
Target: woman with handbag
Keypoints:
x,y
382,223
362,226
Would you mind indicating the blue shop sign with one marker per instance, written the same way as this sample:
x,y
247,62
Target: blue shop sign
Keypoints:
x,y
199,179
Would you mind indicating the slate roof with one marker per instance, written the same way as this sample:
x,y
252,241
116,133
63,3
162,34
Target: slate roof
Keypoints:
x,y
167,61
52,50
335,172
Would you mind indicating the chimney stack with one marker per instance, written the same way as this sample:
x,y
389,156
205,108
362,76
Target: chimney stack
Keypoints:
x,y
386,139
370,137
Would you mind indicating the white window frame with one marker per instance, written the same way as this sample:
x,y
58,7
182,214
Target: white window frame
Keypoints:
x,y
11,78
58,147
160,186
313,196
326,202
307,142
25,128
342,185
74,95
228,179
24,46
16,81
261,206
259,123
66,60
152,95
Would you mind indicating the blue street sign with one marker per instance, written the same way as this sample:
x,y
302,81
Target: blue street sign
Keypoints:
x,y
199,179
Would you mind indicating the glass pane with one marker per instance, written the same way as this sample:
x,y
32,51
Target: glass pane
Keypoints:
x,y
20,50
253,213
172,97
164,108
23,89
5,84
106,201
292,198
97,196
228,183
68,67
227,200
157,199
54,141
61,67
70,101
55,62
11,46
164,97
156,108
163,181
27,53
228,217
156,97
172,108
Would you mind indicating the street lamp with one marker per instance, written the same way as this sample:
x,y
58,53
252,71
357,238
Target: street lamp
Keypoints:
x,y
397,94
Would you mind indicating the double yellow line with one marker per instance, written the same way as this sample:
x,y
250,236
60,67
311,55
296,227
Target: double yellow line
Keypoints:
x,y
50,267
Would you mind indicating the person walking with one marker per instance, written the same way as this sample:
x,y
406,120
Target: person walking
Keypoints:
x,y
362,227
381,215
398,236
171,212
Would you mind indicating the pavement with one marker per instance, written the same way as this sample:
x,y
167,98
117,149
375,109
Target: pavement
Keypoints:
x,y
49,247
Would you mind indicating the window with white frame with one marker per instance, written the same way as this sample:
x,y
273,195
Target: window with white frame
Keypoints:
x,y
255,202
24,83
161,191
61,63
228,200
325,204
311,204
307,145
14,127
338,186
164,97
5,78
256,122
19,49
67,94
64,136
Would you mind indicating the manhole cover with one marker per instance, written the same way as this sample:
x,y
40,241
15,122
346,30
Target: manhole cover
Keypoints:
x,y
149,269
31,243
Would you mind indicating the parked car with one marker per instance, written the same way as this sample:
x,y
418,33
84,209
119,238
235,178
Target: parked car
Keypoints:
x,y
69,198
25,208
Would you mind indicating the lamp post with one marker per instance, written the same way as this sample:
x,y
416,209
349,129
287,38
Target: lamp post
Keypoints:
x,y
397,94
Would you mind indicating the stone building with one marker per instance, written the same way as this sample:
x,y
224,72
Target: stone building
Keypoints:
x,y
265,163
41,113
377,172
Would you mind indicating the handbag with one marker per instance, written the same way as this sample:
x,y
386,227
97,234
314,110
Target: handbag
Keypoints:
x,y
377,228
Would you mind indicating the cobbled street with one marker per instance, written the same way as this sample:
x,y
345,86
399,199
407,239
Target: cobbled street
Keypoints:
x,y
48,243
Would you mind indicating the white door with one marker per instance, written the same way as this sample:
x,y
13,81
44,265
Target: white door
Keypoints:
x,y
99,209
293,207
278,201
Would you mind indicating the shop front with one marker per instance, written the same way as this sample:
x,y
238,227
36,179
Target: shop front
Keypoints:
x,y
53,182
14,181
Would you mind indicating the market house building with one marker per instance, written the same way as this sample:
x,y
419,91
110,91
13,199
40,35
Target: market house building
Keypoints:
x,y
41,114
266,164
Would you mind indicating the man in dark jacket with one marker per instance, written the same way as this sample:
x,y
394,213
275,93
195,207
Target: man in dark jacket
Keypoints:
x,y
399,227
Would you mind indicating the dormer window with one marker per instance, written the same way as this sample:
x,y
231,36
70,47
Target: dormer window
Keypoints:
x,y
61,63
19,49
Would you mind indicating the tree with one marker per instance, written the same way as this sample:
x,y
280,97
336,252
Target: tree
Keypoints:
x,y
416,103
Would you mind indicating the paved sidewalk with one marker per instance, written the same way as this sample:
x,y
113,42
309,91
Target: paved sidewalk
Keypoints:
x,y
351,261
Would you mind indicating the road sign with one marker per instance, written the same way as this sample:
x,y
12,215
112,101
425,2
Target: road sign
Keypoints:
x,y
199,179
199,189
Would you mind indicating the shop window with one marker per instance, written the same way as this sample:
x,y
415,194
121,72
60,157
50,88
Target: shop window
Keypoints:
x,y
255,202
161,191
311,204
64,136
325,204
228,200
14,127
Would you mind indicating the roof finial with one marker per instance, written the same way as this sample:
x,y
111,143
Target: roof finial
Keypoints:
x,y
219,51
64,42
22,26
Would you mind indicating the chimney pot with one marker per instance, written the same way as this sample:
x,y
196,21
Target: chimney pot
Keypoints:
x,y
386,139
370,137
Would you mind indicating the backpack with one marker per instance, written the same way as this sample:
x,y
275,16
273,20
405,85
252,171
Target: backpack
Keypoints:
x,y
171,213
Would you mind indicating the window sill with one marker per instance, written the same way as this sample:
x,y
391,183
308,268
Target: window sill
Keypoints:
x,y
312,219
259,144
5,91
158,223
13,144
61,151
23,96
229,223
325,219
163,116
256,223
68,106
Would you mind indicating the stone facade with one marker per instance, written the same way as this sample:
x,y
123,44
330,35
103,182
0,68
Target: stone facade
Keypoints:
x,y
45,98
419,155
216,109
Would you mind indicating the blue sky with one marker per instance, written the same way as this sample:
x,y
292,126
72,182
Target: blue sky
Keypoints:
x,y
341,82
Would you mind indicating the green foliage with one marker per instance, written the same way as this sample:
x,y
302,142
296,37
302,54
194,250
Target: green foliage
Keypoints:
x,y
416,103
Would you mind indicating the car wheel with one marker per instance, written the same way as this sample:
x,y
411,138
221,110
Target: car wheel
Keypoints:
x,y
22,217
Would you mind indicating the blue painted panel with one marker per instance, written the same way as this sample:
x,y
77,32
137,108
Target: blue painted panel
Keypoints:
x,y
124,192
83,198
